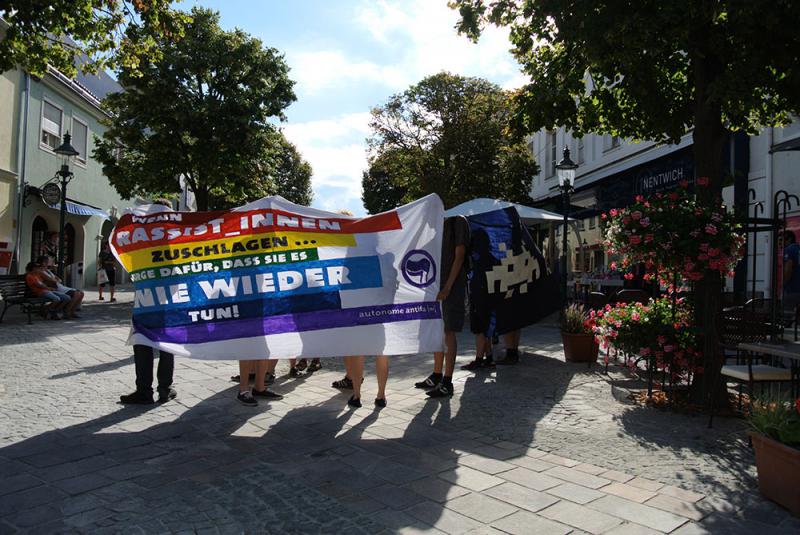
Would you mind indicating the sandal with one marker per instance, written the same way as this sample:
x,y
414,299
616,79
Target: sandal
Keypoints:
x,y
315,365
301,365
343,384
380,402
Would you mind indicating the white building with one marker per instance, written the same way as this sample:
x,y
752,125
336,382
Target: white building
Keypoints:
x,y
612,171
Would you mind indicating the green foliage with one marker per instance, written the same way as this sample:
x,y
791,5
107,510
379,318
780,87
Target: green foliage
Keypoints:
x,y
292,174
448,135
648,69
778,420
108,34
203,111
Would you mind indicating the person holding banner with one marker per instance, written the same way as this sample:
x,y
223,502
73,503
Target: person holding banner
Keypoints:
x,y
452,295
247,396
355,370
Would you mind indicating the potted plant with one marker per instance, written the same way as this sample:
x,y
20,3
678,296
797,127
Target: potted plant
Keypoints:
x,y
776,439
577,335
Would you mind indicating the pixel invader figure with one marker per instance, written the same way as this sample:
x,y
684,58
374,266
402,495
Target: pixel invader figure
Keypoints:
x,y
521,270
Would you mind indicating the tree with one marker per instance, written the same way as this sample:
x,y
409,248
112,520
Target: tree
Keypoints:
x,y
203,112
448,135
98,35
292,175
653,70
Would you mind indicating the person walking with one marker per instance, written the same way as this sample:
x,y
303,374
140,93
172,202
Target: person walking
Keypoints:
x,y
107,262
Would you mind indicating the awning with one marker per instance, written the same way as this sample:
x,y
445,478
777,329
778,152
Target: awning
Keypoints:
x,y
481,206
82,209
792,144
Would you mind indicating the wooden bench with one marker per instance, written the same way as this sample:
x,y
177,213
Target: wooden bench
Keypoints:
x,y
15,291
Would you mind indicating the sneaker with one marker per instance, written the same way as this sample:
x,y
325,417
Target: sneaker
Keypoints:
x,y
246,398
343,384
137,398
267,394
473,365
293,372
431,382
166,394
441,391
353,402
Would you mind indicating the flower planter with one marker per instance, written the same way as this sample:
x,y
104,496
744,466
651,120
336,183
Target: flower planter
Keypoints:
x,y
579,347
778,468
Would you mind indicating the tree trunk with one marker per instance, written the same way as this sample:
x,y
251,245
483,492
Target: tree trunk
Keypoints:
x,y
709,137
201,199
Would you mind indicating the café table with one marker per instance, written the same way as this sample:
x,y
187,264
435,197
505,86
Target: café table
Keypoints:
x,y
787,350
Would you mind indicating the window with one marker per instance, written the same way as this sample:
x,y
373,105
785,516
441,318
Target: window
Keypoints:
x,y
616,141
611,142
51,125
552,153
582,224
80,138
592,222
580,151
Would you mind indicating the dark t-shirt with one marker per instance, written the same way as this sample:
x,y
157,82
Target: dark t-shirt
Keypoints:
x,y
456,232
107,259
791,253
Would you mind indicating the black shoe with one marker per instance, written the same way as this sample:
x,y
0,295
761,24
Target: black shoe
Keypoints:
x,y
267,394
293,372
269,378
353,402
431,382
487,363
343,384
236,378
441,391
380,402
166,394
137,398
246,398
314,366
476,364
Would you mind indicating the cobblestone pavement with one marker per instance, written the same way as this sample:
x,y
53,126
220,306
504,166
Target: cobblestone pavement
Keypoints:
x,y
541,447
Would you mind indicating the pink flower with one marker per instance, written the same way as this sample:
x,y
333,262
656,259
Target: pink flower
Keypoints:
x,y
644,351
661,339
711,229
673,196
613,212
637,215
635,239
703,247
713,252
645,222
702,181
635,316
603,216
626,220
628,276
668,348
648,238
684,184
639,198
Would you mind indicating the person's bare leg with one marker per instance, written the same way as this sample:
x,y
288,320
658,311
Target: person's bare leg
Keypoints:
x,y
244,375
438,361
356,374
382,372
111,295
450,356
271,365
261,369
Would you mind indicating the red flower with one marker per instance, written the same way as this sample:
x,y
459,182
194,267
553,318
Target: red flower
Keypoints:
x,y
684,184
797,404
702,181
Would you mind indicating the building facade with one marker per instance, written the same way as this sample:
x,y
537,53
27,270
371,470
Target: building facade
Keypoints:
x,y
612,172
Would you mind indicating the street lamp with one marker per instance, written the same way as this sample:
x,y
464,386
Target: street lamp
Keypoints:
x,y
565,169
67,152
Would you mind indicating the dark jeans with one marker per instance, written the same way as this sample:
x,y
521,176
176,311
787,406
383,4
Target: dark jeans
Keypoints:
x,y
143,359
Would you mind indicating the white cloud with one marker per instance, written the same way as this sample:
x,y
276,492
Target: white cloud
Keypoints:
x,y
336,150
321,70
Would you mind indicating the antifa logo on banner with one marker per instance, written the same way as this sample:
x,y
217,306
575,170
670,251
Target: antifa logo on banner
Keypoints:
x,y
508,272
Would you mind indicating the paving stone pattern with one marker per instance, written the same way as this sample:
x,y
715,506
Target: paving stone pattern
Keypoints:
x,y
541,447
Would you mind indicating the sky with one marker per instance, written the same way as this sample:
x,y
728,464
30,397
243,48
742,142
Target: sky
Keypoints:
x,y
349,56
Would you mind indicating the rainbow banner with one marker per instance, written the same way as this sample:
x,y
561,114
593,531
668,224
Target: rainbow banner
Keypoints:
x,y
273,279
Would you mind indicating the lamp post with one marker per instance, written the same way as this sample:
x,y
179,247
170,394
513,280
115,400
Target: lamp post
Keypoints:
x,y
565,169
67,152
